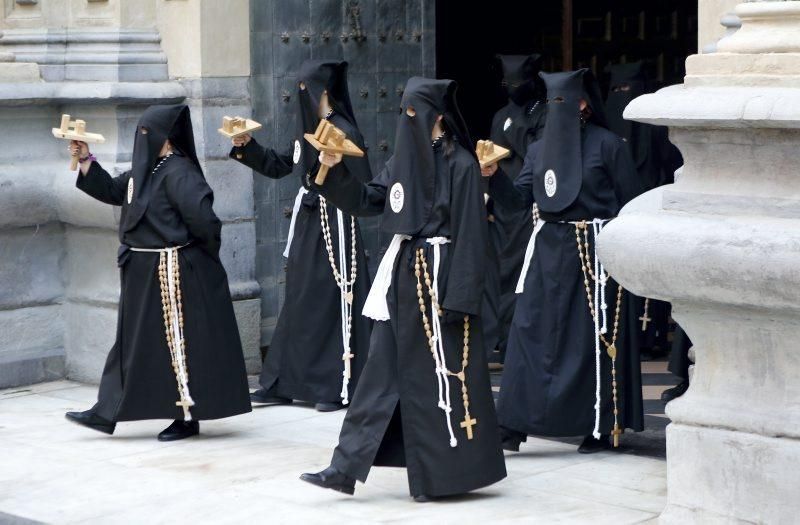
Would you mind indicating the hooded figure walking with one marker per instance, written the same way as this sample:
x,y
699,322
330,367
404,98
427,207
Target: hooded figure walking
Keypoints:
x,y
515,126
656,161
572,366
178,354
424,401
320,342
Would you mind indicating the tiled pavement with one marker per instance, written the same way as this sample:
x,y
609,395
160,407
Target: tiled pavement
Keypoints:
x,y
246,468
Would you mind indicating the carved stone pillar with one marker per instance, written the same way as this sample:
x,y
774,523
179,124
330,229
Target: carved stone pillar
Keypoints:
x,y
723,245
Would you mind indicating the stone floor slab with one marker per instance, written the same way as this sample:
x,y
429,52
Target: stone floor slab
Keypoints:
x,y
246,469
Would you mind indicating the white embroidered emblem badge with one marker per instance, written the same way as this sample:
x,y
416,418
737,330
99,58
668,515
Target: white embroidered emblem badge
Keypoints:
x,y
130,190
550,183
396,197
297,151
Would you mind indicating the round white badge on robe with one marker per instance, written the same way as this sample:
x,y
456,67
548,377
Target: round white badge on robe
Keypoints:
x,y
396,197
550,183
507,124
297,151
130,190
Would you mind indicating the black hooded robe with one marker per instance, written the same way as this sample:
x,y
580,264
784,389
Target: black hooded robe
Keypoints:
x,y
515,126
304,360
394,419
138,380
549,381
656,160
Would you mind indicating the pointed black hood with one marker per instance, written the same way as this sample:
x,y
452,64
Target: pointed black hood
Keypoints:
x,y
525,89
413,167
318,77
558,172
156,125
628,81
521,77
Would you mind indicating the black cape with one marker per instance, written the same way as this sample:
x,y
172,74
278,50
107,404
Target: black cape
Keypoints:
x,y
548,384
304,359
515,126
394,419
138,381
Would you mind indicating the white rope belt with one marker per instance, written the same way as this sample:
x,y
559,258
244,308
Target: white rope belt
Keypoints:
x,y
346,304
171,302
439,355
298,201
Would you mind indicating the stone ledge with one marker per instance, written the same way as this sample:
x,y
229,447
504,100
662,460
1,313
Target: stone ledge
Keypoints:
x,y
105,93
704,248
722,107
17,72
26,368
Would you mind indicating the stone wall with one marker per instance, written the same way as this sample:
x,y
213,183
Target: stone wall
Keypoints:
x,y
105,61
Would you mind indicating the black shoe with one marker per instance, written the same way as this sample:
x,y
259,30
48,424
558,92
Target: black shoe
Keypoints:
x,y
91,420
263,397
422,498
511,439
330,478
179,430
591,445
675,392
328,407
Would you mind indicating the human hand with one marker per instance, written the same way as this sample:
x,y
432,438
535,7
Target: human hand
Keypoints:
x,y
242,140
329,159
489,170
78,149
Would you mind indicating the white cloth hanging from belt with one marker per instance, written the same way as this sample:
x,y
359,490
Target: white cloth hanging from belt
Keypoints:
x,y
528,256
375,307
298,201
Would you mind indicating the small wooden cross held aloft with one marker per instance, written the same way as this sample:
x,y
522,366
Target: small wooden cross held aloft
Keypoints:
x,y
233,127
468,423
75,130
489,153
330,139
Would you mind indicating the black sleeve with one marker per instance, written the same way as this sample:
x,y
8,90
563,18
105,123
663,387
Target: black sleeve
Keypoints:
x,y
348,193
620,166
99,184
190,194
517,194
265,161
468,234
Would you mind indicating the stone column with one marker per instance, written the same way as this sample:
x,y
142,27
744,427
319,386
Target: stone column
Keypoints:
x,y
722,245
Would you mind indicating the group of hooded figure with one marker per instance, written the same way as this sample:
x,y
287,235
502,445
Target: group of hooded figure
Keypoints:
x,y
480,259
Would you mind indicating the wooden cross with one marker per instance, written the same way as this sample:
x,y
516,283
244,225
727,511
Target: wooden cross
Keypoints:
x,y
468,423
644,319
617,432
346,358
330,139
185,404
488,152
233,127
75,130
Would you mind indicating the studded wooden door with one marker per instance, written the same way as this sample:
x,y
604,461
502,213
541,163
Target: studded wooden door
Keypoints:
x,y
385,42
